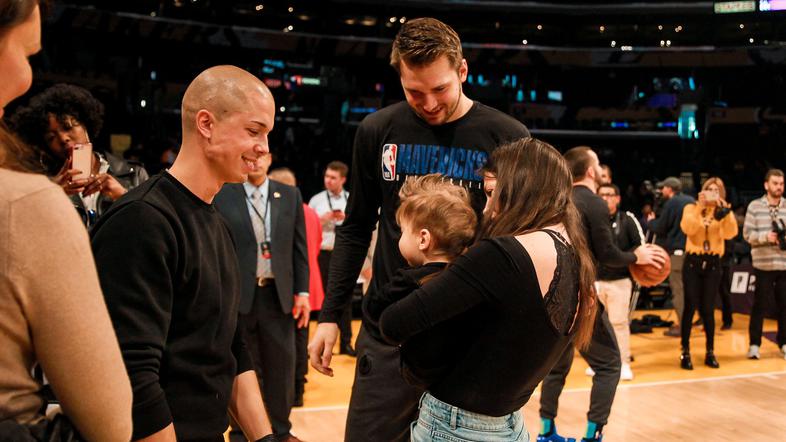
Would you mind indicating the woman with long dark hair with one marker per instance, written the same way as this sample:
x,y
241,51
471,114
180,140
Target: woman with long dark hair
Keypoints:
x,y
52,312
525,289
707,224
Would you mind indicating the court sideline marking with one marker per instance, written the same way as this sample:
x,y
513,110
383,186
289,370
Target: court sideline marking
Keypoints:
x,y
770,375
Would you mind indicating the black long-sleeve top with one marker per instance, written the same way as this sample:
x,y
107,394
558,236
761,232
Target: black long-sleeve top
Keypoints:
x,y
518,333
391,145
427,357
628,235
595,220
170,277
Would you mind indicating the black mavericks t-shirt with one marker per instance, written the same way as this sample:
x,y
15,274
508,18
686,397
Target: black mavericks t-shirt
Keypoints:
x,y
390,146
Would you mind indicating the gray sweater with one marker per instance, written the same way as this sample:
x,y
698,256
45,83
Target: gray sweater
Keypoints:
x,y
758,225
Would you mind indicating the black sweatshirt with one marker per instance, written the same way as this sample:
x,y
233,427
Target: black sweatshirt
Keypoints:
x,y
628,235
595,220
517,334
391,145
170,277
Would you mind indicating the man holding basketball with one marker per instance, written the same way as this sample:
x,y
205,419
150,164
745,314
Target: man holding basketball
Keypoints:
x,y
614,283
603,355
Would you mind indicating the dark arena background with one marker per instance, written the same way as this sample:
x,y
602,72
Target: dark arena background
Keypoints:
x,y
657,88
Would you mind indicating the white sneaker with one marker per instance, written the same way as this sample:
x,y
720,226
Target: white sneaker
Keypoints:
x,y
589,372
753,352
626,374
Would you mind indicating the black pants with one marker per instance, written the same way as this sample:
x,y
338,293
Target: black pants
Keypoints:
x,y
270,337
603,356
769,284
301,357
345,323
382,405
701,276
725,293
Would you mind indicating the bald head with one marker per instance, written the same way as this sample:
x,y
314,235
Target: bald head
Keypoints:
x,y
221,90
283,175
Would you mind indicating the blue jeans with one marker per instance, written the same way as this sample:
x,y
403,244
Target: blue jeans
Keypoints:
x,y
439,421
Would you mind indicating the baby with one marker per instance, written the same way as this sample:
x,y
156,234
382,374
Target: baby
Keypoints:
x,y
437,224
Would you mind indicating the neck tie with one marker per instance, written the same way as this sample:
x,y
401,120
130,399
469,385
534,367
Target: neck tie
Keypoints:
x,y
263,265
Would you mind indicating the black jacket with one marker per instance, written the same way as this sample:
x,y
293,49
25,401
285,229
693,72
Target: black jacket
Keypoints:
x,y
595,220
288,243
628,235
667,225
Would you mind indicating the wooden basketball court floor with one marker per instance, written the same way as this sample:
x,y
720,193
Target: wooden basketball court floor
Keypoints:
x,y
742,400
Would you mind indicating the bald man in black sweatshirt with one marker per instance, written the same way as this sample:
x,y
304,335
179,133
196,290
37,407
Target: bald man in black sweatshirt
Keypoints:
x,y
170,275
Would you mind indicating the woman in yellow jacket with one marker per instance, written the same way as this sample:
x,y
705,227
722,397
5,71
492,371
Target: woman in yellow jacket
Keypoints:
x,y
707,224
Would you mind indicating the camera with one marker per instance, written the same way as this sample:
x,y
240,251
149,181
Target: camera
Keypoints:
x,y
780,230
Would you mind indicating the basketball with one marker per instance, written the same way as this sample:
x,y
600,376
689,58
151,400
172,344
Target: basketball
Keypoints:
x,y
647,275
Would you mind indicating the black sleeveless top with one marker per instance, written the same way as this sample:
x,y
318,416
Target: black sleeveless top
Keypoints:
x,y
518,333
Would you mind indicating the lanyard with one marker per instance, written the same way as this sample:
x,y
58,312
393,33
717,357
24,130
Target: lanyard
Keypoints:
x,y
330,203
706,221
262,217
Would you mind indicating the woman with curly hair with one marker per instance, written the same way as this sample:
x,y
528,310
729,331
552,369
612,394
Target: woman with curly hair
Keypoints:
x,y
65,116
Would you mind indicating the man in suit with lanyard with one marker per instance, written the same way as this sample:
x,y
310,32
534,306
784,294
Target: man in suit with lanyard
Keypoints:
x,y
330,205
266,221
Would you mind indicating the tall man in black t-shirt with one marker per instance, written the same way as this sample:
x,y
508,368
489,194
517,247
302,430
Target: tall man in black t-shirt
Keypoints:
x,y
170,274
603,355
437,130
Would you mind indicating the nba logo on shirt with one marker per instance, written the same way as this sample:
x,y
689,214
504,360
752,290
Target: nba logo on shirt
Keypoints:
x,y
389,162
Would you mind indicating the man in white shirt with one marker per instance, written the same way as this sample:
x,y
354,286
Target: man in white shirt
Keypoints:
x,y
330,205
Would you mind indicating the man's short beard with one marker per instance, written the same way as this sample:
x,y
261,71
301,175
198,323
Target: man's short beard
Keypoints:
x,y
450,111
455,106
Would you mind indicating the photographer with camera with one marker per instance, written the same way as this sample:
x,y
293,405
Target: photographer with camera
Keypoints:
x,y
764,230
706,224
664,222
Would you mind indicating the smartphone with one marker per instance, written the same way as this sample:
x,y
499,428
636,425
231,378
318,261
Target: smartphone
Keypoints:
x,y
711,197
82,160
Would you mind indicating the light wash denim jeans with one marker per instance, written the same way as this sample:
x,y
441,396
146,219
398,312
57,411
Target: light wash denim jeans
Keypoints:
x,y
439,421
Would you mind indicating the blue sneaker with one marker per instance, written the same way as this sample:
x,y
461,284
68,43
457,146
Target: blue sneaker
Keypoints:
x,y
554,437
